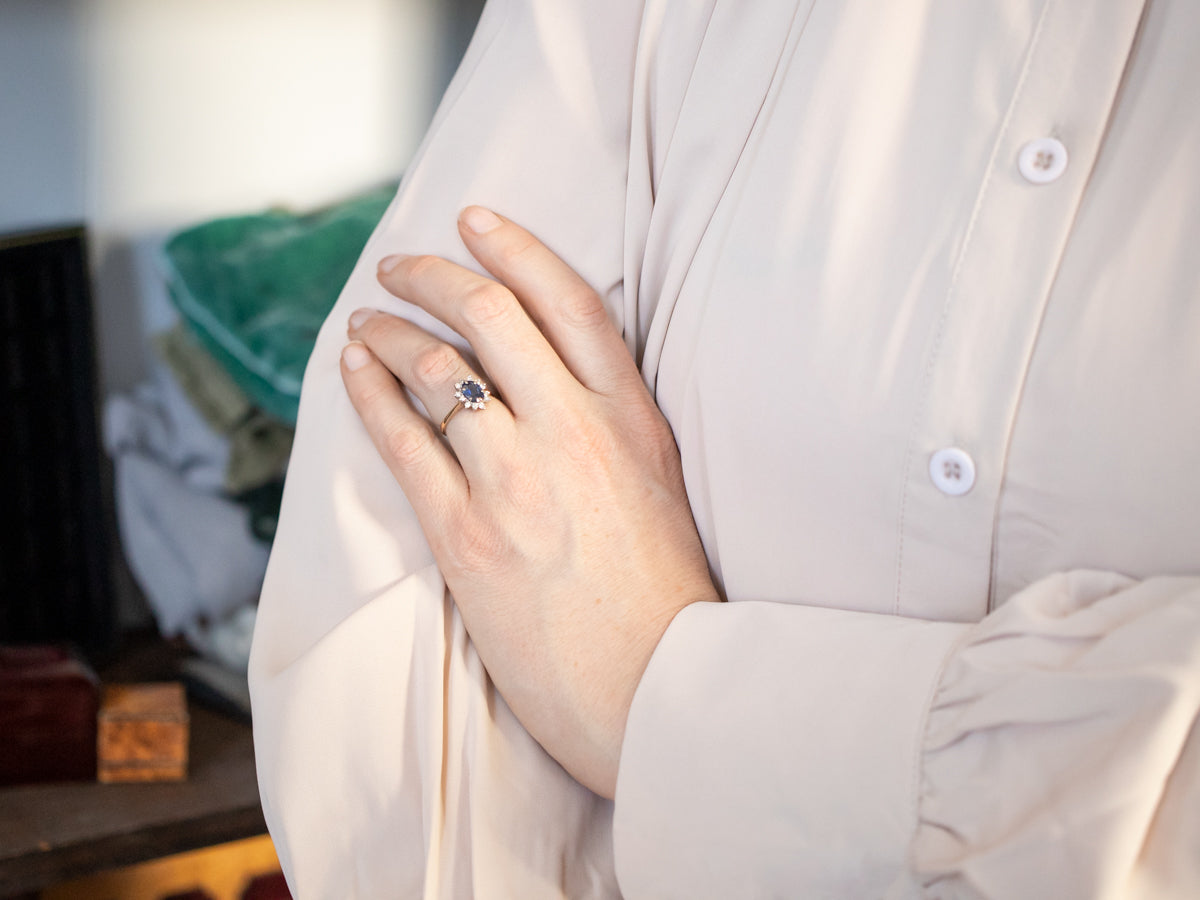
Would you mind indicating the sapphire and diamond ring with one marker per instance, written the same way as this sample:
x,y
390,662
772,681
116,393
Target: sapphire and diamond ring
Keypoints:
x,y
470,393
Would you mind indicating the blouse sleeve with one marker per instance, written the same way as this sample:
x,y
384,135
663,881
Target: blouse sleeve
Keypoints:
x,y
1052,750
388,766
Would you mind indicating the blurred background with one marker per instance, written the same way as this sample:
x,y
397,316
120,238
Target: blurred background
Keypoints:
x,y
183,186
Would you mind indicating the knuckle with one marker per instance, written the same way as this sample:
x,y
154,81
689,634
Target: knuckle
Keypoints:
x,y
435,364
647,419
480,548
419,266
371,393
516,250
659,440
369,396
587,442
525,488
486,303
406,444
375,332
581,306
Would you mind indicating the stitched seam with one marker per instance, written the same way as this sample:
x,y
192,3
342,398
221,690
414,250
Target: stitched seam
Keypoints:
x,y
951,293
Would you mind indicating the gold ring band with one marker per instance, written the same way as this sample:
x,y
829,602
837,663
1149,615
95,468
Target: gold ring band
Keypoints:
x,y
450,415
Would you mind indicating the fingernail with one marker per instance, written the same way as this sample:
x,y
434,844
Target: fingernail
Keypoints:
x,y
479,220
390,262
359,317
355,355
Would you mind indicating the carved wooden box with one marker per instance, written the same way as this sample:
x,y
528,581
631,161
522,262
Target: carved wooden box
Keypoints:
x,y
142,733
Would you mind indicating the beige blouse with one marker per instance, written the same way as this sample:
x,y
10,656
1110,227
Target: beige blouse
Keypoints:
x,y
917,285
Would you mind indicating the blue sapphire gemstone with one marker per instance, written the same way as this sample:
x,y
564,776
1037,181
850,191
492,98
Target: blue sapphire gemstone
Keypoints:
x,y
472,391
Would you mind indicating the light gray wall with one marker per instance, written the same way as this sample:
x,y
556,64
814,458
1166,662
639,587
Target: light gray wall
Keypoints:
x,y
141,116
42,113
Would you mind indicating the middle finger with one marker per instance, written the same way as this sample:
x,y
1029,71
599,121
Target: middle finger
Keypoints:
x,y
489,316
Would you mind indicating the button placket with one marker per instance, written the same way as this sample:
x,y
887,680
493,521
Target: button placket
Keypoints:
x,y
1003,279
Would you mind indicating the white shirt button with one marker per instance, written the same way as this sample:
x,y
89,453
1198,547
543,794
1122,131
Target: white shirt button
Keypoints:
x,y
952,471
1043,160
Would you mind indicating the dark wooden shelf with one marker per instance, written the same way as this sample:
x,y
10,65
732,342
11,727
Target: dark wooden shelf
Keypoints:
x,y
50,833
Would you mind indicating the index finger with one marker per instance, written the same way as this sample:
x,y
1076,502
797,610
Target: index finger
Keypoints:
x,y
569,313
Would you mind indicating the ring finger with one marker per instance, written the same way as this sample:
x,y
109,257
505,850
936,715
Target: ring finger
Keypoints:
x,y
434,370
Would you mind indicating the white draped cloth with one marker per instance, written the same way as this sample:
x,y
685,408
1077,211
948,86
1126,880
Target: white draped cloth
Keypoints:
x,y
917,286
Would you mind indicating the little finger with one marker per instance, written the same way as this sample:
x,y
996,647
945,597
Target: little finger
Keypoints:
x,y
423,465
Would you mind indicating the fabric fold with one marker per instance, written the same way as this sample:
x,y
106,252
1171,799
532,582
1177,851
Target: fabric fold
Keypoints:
x,y
1054,739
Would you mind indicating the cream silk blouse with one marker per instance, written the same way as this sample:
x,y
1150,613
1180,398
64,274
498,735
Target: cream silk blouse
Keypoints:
x,y
917,285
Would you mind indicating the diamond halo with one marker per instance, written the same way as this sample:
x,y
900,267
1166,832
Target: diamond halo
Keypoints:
x,y
472,393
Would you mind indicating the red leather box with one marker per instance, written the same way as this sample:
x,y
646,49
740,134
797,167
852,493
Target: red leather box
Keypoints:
x,y
48,704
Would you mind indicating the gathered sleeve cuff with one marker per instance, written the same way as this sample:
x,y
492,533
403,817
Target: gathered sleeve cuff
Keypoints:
x,y
1050,750
1062,755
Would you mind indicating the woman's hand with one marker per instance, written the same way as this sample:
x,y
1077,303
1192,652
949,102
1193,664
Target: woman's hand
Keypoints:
x,y
557,514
